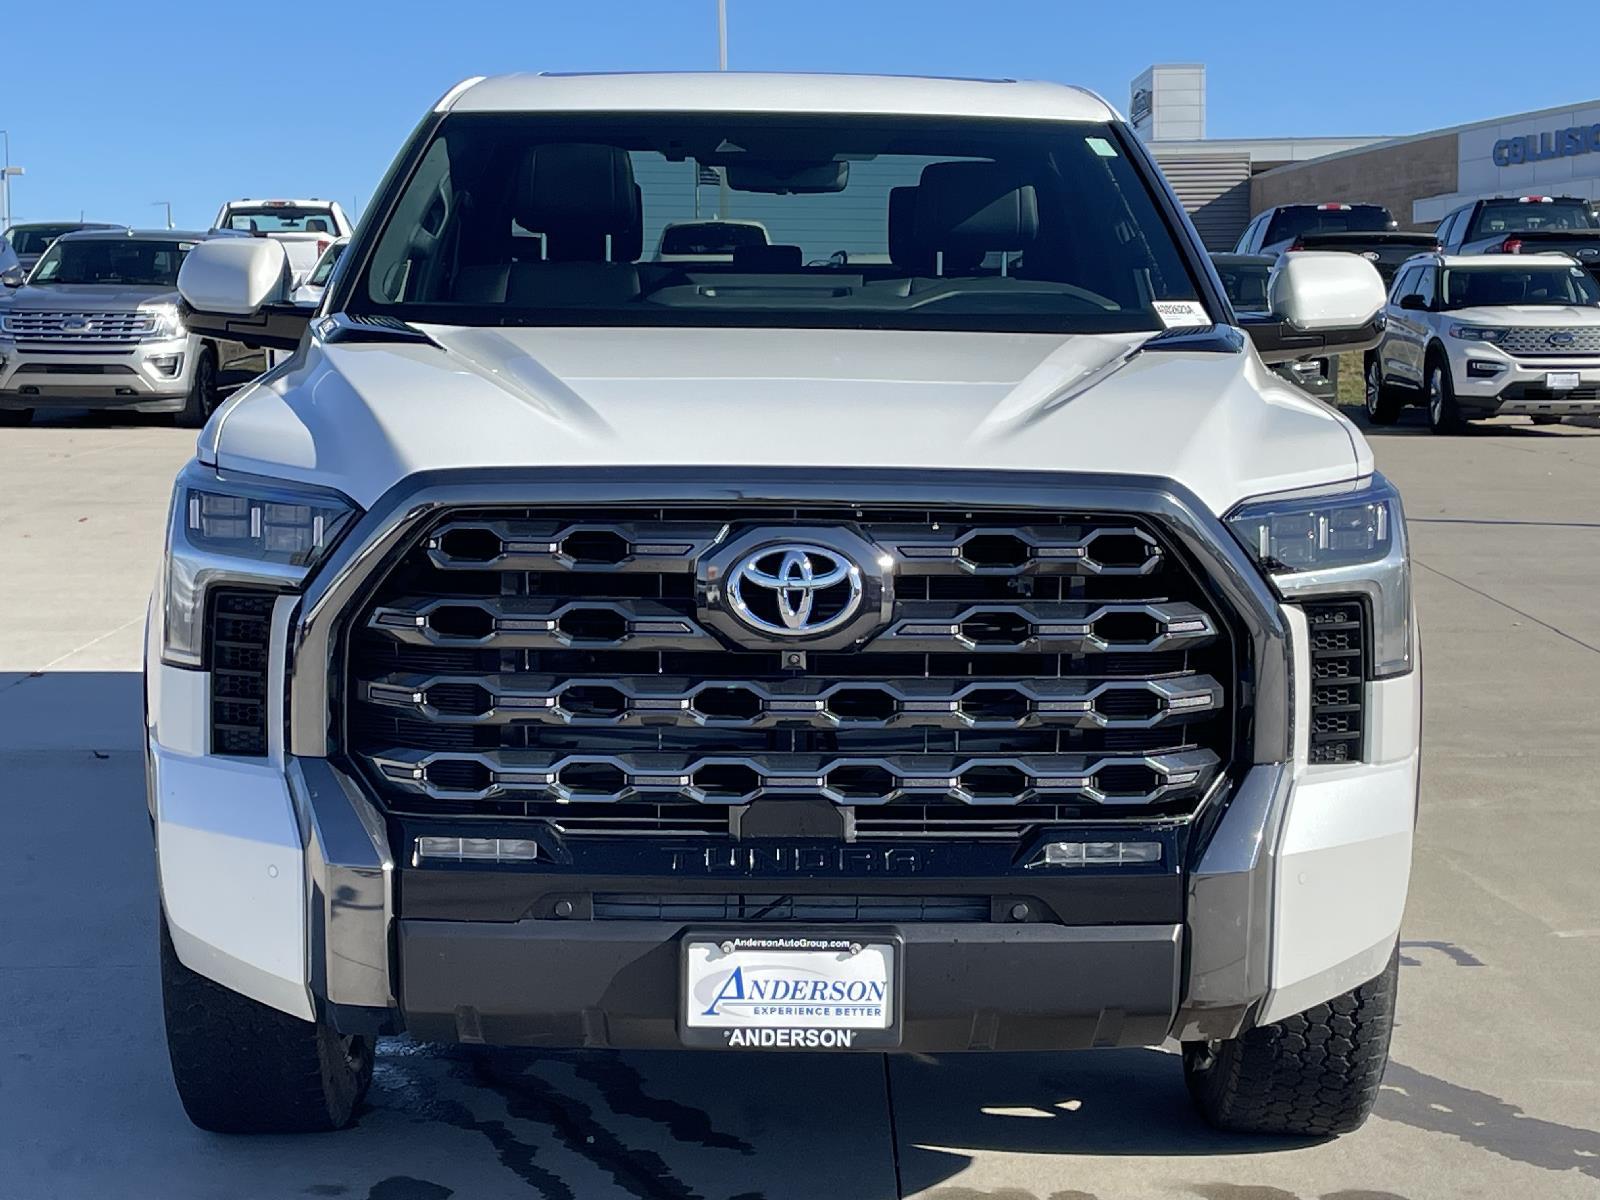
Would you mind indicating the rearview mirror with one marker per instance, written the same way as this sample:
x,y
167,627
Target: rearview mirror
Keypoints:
x,y
237,289
1322,302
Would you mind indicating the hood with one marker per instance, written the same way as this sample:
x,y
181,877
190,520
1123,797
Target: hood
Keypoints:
x,y
90,297
362,417
1520,315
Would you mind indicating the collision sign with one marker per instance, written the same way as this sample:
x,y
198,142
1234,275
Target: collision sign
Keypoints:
x,y
1560,143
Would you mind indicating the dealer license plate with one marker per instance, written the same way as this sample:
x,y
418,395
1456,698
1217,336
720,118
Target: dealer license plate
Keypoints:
x,y
1561,381
790,991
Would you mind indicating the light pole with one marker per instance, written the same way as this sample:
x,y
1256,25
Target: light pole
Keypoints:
x,y
722,65
168,205
7,171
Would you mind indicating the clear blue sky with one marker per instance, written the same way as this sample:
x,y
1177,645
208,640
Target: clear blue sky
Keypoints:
x,y
112,106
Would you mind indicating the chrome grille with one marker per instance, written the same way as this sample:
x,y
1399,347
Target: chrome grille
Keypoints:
x,y
527,664
1534,341
117,328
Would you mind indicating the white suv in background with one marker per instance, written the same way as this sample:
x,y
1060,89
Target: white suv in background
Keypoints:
x,y
1488,335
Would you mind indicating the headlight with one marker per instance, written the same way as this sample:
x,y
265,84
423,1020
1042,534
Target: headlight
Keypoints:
x,y
169,322
1345,541
230,527
1477,333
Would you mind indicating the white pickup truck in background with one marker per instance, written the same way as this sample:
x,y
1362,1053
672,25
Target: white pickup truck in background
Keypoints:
x,y
306,228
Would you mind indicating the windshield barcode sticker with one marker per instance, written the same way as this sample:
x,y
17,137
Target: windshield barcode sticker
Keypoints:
x,y
1176,313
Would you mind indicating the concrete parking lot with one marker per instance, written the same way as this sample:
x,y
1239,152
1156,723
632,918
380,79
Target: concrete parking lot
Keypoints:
x,y
1493,1091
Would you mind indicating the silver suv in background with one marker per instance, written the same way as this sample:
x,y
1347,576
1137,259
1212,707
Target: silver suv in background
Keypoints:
x,y
32,240
1486,336
97,325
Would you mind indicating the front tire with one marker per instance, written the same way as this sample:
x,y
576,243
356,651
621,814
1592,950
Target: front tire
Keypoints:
x,y
202,397
242,1067
1444,415
1383,403
1315,1074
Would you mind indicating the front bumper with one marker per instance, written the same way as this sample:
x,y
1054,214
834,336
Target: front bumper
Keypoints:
x,y
1491,383
147,377
282,879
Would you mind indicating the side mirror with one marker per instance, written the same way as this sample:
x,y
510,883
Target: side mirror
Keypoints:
x,y
1322,302
237,289
1413,303
13,278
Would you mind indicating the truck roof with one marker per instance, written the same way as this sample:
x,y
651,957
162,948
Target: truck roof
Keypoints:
x,y
768,92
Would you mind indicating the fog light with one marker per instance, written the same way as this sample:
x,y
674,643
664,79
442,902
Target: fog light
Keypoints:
x,y
1480,368
471,849
1096,854
167,364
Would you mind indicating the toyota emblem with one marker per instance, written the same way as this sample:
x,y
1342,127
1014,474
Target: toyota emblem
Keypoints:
x,y
797,590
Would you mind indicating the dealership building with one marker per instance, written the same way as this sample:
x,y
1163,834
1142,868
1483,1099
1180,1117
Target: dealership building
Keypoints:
x,y
1419,178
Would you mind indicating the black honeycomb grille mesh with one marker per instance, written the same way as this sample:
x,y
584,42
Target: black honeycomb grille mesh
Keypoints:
x,y
1338,639
239,632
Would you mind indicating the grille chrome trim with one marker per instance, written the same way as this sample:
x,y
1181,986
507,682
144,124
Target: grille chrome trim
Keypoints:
x,y
505,772
654,700
533,545
1052,628
534,622
114,328
1533,341
397,519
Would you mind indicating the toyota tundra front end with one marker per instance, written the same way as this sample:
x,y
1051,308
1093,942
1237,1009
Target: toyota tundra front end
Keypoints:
x,y
934,630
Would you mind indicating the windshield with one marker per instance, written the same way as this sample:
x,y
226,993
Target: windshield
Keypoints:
x,y
35,239
1558,283
1302,219
1517,216
855,223
137,263
324,267
280,218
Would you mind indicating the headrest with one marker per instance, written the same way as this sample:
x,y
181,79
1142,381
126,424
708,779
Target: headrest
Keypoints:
x,y
975,206
768,258
316,225
576,189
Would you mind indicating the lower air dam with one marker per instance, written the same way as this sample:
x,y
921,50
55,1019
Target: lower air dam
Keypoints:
x,y
813,1039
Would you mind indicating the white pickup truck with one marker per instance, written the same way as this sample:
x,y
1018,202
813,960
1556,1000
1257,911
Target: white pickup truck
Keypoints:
x,y
937,632
305,228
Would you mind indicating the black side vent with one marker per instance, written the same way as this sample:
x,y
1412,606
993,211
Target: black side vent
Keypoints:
x,y
239,633
1338,673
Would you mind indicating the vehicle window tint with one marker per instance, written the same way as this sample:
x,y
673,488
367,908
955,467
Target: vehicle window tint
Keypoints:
x,y
1519,216
1427,285
1298,219
1490,287
1246,284
36,239
726,219
128,261
324,268
279,218
1403,284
